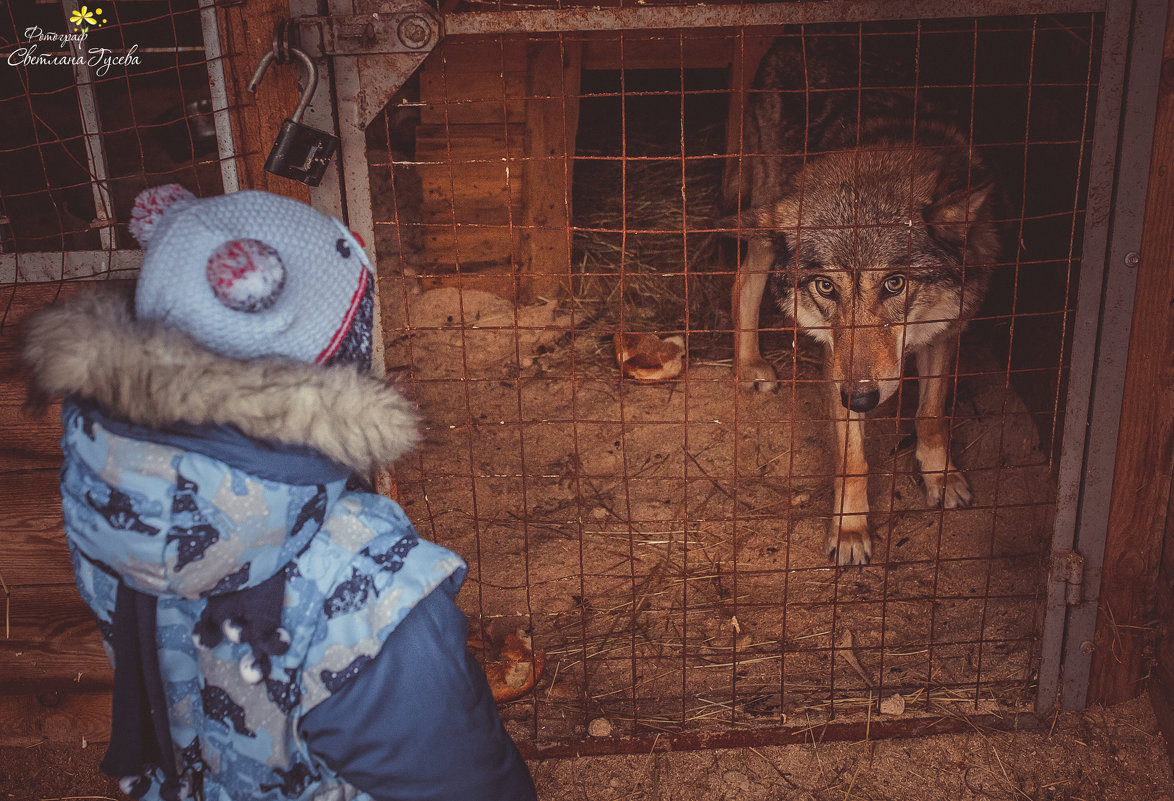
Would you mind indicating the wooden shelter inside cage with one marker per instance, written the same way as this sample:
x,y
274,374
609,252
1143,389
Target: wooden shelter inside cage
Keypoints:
x,y
534,183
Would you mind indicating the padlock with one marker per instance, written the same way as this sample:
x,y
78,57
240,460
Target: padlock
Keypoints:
x,y
300,152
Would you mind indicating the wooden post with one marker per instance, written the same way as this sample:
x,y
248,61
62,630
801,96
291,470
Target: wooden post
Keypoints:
x,y
745,54
1138,517
552,124
246,32
1161,684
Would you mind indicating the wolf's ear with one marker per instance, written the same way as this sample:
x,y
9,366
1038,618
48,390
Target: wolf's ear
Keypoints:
x,y
953,217
761,221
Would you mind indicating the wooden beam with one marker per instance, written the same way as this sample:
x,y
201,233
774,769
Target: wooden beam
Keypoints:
x,y
552,124
643,52
246,32
1161,683
1145,449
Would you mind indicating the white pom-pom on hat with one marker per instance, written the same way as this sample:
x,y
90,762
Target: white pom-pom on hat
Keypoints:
x,y
150,206
246,275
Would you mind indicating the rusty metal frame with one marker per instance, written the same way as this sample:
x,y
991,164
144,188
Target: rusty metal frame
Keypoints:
x,y
96,160
1122,141
363,60
830,731
742,16
46,266
217,89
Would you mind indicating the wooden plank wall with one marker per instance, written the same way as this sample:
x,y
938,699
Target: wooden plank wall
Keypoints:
x,y
51,655
496,126
496,145
497,140
1138,520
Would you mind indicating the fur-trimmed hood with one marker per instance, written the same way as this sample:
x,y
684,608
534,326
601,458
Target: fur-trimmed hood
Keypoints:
x,y
93,347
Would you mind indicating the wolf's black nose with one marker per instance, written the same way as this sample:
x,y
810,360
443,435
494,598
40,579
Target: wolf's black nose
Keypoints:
x,y
862,399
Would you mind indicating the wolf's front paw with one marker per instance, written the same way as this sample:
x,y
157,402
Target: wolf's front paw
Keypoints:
x,y
848,545
756,374
950,490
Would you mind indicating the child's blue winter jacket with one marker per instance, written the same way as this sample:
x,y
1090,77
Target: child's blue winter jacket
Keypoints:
x,y
275,634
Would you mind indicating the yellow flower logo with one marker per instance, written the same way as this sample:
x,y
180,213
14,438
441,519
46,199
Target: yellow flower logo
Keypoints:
x,y
83,18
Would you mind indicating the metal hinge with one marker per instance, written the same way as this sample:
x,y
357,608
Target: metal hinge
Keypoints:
x,y
412,27
1068,569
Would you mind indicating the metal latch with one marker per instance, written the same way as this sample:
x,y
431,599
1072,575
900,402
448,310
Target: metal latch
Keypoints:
x,y
1068,567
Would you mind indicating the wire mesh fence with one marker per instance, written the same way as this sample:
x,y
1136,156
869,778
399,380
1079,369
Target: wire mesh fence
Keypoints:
x,y
540,200
663,541
96,109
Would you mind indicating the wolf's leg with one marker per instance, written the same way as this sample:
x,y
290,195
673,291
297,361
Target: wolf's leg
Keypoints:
x,y
751,369
848,541
944,483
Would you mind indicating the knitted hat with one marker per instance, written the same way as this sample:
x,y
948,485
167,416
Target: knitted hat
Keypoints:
x,y
250,274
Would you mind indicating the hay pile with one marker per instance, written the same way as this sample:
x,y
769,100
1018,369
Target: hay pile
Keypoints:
x,y
644,256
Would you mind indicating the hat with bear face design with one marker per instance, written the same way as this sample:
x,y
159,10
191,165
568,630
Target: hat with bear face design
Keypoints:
x,y
252,274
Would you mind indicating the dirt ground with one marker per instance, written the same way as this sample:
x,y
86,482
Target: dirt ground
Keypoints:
x,y
663,543
1113,754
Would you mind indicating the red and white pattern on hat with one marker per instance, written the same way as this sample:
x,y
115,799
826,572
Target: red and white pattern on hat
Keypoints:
x,y
150,206
246,275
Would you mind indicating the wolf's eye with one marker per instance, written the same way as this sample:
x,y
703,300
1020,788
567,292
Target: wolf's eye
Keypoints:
x,y
824,287
895,284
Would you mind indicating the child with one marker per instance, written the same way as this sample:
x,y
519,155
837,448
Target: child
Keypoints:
x,y
275,634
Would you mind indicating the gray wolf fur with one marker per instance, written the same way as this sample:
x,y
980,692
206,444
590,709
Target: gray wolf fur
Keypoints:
x,y
878,244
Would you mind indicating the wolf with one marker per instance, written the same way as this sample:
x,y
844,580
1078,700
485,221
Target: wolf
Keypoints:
x,y
875,226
